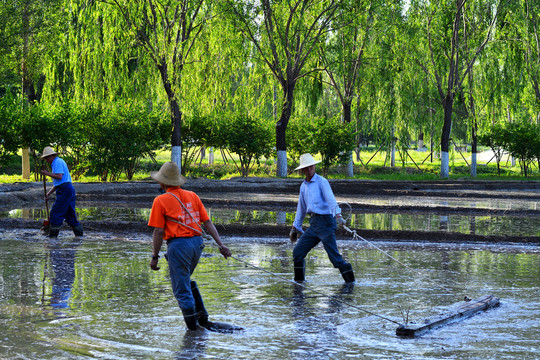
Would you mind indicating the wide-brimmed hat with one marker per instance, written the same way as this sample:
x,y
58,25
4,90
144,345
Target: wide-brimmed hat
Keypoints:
x,y
306,160
169,174
48,151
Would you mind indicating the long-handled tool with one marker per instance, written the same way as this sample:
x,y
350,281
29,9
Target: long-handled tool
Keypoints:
x,y
45,222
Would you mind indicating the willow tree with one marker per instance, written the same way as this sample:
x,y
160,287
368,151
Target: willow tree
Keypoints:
x,y
27,34
285,35
343,56
168,31
522,39
440,25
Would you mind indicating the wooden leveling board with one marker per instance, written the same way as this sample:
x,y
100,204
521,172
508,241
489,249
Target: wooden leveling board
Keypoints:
x,y
462,312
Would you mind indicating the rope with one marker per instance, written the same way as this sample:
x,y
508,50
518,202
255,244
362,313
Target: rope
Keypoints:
x,y
205,236
358,237
305,287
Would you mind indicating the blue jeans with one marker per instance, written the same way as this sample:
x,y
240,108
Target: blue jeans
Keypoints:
x,y
64,207
321,228
183,255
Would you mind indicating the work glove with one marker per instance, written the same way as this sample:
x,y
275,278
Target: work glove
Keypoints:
x,y
340,221
293,235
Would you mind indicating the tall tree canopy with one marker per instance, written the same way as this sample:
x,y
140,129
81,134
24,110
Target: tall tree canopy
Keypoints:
x,y
396,69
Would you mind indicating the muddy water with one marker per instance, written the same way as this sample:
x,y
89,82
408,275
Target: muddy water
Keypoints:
x,y
485,225
96,297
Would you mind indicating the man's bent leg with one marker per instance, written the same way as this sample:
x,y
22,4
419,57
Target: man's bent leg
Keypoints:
x,y
328,238
306,242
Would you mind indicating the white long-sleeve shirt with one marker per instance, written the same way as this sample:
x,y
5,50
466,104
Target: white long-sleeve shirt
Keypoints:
x,y
316,197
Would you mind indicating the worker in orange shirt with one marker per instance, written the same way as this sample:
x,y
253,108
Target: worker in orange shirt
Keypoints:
x,y
176,217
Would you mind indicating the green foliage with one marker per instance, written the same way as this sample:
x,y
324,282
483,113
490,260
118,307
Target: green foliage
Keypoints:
x,y
197,132
9,132
520,139
38,130
523,142
249,138
298,136
121,137
334,140
494,138
330,137
380,67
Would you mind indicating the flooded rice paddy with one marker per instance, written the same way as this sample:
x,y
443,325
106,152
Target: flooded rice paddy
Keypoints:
x,y
485,225
96,297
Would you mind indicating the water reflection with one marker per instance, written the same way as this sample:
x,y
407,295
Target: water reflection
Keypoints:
x,y
118,308
62,262
193,346
484,225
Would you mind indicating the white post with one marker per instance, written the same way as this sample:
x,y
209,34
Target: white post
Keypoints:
x,y
473,165
445,164
176,156
350,169
211,156
25,163
281,170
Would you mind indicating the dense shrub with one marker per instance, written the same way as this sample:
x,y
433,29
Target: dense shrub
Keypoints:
x,y
10,113
197,132
245,136
520,139
329,137
121,137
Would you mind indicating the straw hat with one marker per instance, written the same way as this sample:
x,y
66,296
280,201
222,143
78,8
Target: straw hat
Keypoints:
x,y
168,174
48,151
306,160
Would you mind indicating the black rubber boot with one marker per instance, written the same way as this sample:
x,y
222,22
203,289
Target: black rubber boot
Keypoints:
x,y
45,230
202,314
347,273
190,317
299,271
53,232
78,230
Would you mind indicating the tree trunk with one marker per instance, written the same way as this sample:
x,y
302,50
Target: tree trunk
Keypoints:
x,y
347,104
393,149
474,141
27,84
445,138
281,128
176,116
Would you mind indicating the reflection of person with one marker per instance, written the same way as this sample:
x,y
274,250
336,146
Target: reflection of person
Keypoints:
x,y
317,200
63,265
193,346
176,216
64,205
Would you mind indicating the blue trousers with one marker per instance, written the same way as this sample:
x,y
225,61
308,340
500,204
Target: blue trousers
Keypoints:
x,y
321,228
183,255
64,207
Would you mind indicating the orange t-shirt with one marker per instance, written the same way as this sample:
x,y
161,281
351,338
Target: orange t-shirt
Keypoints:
x,y
166,205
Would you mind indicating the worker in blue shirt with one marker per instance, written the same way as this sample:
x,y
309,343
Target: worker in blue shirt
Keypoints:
x,y
317,200
64,205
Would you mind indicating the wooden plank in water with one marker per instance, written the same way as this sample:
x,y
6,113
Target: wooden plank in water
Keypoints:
x,y
462,312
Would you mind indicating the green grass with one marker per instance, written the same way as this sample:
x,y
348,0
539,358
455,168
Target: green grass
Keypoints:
x,y
378,168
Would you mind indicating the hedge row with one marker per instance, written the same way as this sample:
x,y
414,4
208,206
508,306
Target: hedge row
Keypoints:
x,y
111,141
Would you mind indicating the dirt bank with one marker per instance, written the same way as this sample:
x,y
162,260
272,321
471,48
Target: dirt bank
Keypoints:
x,y
281,194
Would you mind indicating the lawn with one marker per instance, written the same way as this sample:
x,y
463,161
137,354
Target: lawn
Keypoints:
x,y
372,165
